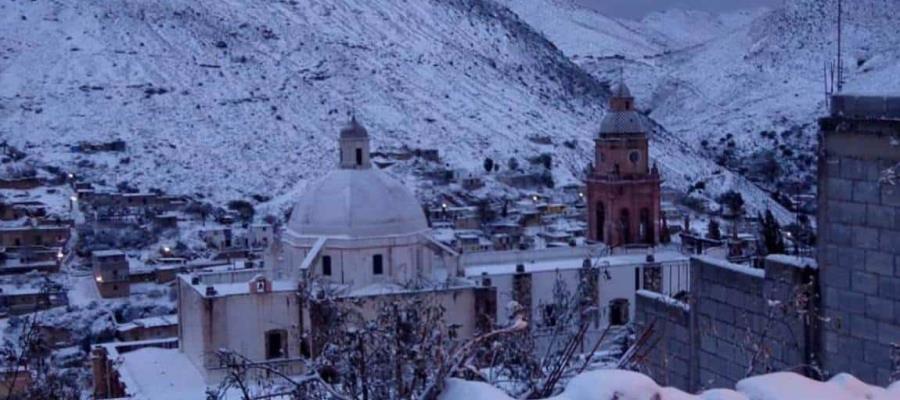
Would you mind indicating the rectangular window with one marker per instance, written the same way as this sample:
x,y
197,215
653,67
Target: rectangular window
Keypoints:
x,y
275,344
326,265
637,278
377,264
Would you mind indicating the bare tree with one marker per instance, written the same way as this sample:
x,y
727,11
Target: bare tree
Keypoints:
x,y
406,351
25,357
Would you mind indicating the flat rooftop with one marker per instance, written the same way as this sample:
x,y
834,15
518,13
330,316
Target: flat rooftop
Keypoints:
x,y
865,106
572,263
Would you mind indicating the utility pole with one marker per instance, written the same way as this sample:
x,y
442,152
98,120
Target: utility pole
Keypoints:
x,y
840,61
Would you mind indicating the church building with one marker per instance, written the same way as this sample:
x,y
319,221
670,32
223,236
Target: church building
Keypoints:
x,y
357,233
623,188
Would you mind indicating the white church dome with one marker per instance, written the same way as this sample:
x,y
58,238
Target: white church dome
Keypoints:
x,y
356,201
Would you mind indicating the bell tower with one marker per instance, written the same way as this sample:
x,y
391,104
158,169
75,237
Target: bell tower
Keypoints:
x,y
623,187
354,146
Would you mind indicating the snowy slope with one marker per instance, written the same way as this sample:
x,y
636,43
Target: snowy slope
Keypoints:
x,y
240,97
228,99
747,87
580,32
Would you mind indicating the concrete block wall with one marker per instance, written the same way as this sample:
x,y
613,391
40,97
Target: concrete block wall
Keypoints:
x,y
737,321
672,362
859,247
730,313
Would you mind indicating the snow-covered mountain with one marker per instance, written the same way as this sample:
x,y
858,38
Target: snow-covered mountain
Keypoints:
x,y
746,87
229,99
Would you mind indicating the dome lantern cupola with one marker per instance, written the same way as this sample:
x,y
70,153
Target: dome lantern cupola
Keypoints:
x,y
621,117
354,146
621,99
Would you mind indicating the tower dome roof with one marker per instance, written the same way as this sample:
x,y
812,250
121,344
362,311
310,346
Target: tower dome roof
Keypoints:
x,y
621,122
357,203
621,90
354,130
621,117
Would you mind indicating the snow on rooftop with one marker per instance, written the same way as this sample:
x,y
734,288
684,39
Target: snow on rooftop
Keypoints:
x,y
722,263
107,253
569,263
154,373
149,322
794,261
664,299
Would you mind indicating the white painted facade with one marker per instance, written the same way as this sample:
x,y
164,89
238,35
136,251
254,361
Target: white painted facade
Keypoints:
x,y
356,228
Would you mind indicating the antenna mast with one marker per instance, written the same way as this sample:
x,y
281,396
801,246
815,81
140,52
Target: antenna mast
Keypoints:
x,y
840,61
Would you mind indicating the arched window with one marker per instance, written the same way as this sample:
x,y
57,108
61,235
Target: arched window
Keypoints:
x,y
625,225
646,226
600,220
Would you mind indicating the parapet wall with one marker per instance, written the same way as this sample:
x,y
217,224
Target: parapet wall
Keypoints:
x,y
737,322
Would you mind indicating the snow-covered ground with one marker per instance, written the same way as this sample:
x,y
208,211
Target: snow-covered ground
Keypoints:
x,y
627,385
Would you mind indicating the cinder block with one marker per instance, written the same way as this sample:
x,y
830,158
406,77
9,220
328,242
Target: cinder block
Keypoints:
x,y
876,353
890,195
851,257
879,262
830,341
880,216
879,308
888,333
852,168
840,234
851,302
864,282
864,327
867,192
851,345
865,237
890,241
839,189
889,287
836,277
862,370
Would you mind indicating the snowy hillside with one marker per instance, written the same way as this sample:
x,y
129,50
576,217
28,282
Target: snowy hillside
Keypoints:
x,y
227,100
243,97
746,88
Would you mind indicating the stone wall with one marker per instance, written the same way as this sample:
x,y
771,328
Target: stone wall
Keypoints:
x,y
859,245
737,321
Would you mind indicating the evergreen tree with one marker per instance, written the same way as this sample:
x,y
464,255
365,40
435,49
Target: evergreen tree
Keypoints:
x,y
713,231
488,164
513,164
770,230
733,201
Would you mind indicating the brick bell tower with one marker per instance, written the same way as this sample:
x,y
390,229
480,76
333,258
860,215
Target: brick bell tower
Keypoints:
x,y
623,189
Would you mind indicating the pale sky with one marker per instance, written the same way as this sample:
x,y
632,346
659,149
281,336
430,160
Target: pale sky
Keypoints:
x,y
639,8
